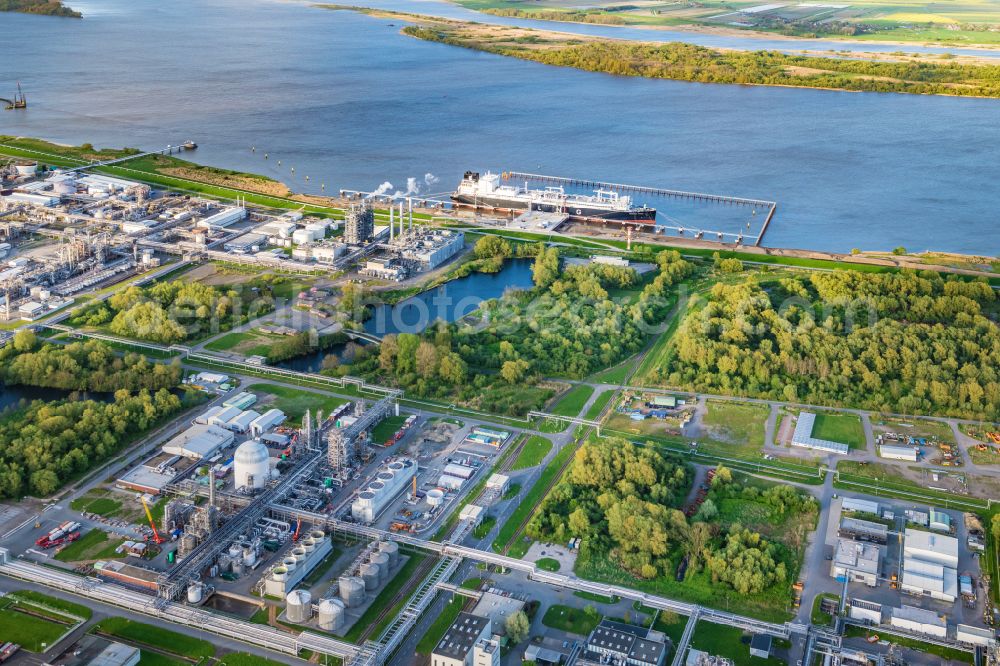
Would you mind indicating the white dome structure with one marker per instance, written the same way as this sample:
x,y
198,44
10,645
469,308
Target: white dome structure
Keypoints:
x,y
250,465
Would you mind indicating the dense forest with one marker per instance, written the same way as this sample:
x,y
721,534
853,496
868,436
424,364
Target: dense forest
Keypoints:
x,y
899,342
46,7
176,311
568,325
81,366
623,500
689,62
47,443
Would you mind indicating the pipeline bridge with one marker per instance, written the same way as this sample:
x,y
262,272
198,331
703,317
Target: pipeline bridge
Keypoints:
x,y
118,160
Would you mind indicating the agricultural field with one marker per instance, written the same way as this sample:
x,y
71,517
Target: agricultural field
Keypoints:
x,y
958,22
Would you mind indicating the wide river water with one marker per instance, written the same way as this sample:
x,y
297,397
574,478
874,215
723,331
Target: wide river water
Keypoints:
x,y
350,102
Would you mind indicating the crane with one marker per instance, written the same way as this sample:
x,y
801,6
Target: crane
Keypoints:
x,y
149,514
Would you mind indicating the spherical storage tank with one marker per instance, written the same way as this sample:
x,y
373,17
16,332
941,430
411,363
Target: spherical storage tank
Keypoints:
x,y
331,614
370,575
382,560
250,465
390,548
352,591
298,606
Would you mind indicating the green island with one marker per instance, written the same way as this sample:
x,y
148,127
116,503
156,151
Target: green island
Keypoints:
x,y
43,7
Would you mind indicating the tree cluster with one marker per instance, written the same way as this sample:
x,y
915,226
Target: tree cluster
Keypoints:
x,y
47,443
81,366
175,311
901,342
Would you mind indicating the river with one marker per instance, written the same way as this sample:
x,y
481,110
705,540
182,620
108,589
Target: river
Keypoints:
x,y
449,302
10,396
349,102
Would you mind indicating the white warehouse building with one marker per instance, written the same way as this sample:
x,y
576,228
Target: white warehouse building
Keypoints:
x,y
930,563
388,483
272,418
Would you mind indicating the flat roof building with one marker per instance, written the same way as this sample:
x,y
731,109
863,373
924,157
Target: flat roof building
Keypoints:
x,y
199,441
803,437
863,530
930,564
456,647
908,453
965,633
497,607
241,400
625,643
919,620
272,418
860,505
856,561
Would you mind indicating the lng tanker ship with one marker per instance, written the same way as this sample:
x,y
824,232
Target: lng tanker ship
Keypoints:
x,y
487,191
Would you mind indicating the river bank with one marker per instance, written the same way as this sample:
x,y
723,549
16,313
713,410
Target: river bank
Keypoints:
x,y
687,62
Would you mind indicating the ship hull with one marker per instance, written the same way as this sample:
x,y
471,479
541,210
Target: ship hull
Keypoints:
x,y
644,216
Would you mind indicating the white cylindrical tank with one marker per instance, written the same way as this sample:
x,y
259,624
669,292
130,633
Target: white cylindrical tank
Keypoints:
x,y
308,545
238,567
290,563
317,535
370,575
65,187
26,168
435,497
195,593
279,574
390,548
382,560
331,614
235,550
352,591
298,606
250,464
299,553
249,557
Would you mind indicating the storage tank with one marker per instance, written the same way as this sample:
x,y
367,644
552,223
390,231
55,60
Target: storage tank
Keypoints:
x,y
65,187
298,606
299,553
371,576
435,497
318,535
377,488
237,567
196,591
250,464
308,545
249,557
290,563
279,574
390,548
382,560
352,591
26,168
331,614
235,550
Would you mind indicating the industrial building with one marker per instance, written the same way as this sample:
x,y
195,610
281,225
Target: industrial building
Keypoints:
x,y
128,574
939,521
497,606
224,218
359,223
856,562
930,564
93,650
456,648
863,530
860,506
970,635
388,483
199,441
866,611
499,484
269,420
242,400
432,247
241,422
908,453
251,465
616,642
919,621
803,437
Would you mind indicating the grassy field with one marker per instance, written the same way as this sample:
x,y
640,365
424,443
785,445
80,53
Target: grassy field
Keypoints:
x,y
94,545
59,605
294,402
246,659
843,428
247,343
483,528
96,503
736,423
599,404
615,375
569,619
26,619
535,449
572,403
388,427
818,617
728,642
530,501
548,564
173,642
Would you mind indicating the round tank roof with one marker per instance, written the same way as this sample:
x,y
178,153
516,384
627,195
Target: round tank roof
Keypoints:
x,y
251,452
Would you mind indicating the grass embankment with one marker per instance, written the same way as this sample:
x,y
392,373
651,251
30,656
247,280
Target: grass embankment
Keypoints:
x,y
689,62
155,637
529,502
533,452
36,621
572,403
436,631
599,404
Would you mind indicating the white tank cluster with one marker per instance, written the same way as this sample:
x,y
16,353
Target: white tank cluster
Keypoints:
x,y
389,481
251,465
298,606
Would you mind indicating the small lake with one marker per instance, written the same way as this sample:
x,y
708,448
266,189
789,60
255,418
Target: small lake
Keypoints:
x,y
449,302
